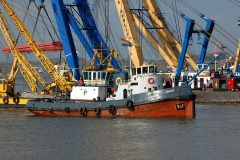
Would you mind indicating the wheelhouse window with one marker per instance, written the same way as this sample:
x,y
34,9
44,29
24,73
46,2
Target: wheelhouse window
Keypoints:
x,y
144,70
139,71
134,71
99,76
94,75
85,76
103,75
151,69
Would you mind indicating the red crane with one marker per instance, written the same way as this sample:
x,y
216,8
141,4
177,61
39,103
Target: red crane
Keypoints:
x,y
43,46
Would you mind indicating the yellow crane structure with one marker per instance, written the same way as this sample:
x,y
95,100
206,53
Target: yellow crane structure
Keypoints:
x,y
164,34
130,32
28,71
172,47
170,61
61,82
7,84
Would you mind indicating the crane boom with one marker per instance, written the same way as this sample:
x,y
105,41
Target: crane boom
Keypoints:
x,y
13,71
155,44
188,33
46,63
91,41
129,30
207,34
95,39
45,47
154,11
19,59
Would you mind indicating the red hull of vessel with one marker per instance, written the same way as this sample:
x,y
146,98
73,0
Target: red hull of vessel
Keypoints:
x,y
169,108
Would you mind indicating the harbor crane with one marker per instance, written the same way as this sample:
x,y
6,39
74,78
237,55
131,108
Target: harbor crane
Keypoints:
x,y
63,84
171,50
28,71
95,46
129,30
129,20
172,44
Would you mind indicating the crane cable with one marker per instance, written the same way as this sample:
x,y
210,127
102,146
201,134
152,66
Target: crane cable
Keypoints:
x,y
39,11
112,36
25,15
152,33
235,2
46,26
222,31
18,36
176,19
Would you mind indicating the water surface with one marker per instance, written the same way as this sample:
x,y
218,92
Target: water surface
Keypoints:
x,y
214,134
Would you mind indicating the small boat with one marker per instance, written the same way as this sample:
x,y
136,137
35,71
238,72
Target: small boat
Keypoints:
x,y
110,94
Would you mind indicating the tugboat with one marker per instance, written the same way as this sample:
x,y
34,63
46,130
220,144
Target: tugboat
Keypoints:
x,y
138,94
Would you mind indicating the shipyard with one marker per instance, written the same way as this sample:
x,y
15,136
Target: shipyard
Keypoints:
x,y
119,79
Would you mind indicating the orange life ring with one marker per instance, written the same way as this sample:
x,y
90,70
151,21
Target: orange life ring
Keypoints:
x,y
151,80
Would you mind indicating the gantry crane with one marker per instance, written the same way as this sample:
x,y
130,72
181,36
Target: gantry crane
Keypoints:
x,y
92,42
207,33
171,50
62,83
188,33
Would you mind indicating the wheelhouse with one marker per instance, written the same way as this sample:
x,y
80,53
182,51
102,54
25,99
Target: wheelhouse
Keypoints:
x,y
145,69
98,77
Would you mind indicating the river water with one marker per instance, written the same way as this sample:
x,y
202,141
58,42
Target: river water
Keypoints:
x,y
214,134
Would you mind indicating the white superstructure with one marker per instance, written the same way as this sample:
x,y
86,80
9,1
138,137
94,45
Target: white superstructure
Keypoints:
x,y
101,85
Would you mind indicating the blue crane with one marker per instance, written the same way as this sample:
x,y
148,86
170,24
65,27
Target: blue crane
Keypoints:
x,y
65,19
207,33
188,33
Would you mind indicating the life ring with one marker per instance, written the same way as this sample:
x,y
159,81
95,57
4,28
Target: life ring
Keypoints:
x,y
118,81
151,80
112,109
96,110
129,105
80,82
83,110
5,100
15,100
67,109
